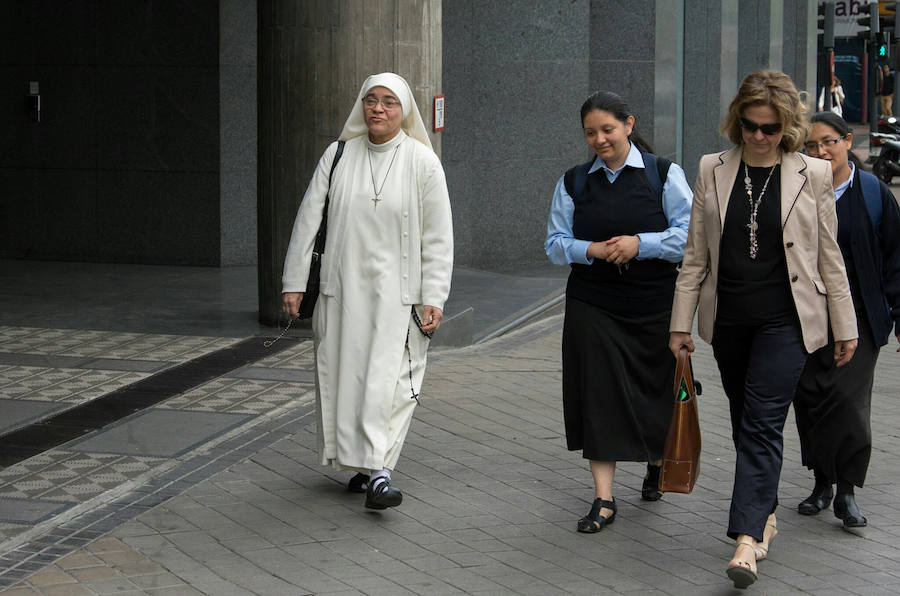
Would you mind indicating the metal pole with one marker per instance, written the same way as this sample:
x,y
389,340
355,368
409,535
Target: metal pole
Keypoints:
x,y
828,43
893,37
873,64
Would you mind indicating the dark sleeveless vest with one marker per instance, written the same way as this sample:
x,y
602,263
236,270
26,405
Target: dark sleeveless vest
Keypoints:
x,y
625,207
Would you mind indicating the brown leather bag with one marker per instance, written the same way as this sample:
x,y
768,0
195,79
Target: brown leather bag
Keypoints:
x,y
681,455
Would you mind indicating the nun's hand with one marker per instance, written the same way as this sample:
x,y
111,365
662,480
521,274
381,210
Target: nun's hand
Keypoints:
x,y
290,303
431,319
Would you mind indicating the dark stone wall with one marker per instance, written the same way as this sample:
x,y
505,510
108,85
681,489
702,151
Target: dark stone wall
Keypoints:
x,y
516,73
124,164
515,76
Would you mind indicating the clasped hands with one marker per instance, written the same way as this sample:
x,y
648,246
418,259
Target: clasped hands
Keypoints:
x,y
618,250
431,319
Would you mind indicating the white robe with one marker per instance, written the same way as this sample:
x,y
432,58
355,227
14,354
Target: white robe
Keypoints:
x,y
366,376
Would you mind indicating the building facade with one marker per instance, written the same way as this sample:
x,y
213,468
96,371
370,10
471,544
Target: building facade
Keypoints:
x,y
184,132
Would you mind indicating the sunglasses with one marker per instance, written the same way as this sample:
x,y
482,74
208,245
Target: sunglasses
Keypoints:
x,y
773,128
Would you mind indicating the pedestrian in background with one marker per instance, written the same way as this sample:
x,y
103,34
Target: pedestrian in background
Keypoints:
x,y
887,91
620,222
385,275
832,404
763,265
837,97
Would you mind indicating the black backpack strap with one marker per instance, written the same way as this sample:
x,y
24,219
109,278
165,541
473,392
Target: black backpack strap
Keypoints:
x,y
575,179
662,168
656,169
871,192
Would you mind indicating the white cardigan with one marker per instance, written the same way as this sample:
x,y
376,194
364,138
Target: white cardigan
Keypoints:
x,y
426,245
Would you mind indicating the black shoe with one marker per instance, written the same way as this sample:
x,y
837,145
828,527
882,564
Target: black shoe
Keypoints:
x,y
593,521
359,483
650,488
382,495
819,499
846,510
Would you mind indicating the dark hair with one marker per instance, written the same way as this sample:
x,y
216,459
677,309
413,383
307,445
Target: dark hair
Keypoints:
x,y
840,126
608,101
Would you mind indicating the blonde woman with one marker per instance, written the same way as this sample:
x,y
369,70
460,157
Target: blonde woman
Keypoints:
x,y
764,268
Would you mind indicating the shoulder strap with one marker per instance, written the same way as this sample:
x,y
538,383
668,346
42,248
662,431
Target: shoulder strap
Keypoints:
x,y
576,179
319,246
337,158
657,171
871,191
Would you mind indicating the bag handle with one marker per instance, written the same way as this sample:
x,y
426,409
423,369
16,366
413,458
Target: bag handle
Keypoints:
x,y
683,372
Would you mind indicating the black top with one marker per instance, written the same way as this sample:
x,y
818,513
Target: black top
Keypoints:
x,y
754,291
624,207
844,238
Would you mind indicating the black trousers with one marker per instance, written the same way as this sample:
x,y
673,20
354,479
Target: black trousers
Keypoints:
x,y
760,366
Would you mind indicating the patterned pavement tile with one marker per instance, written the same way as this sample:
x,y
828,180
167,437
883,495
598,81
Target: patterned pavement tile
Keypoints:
x,y
110,344
72,476
62,384
299,356
239,396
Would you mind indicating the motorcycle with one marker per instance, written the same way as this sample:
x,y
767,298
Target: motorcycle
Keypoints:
x,y
887,164
888,125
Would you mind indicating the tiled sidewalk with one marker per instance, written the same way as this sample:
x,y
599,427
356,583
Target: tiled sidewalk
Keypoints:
x,y
68,496
491,499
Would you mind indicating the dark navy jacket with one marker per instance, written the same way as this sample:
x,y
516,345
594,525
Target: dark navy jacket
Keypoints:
x,y
876,255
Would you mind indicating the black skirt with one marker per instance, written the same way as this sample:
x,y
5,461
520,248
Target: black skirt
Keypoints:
x,y
617,383
832,406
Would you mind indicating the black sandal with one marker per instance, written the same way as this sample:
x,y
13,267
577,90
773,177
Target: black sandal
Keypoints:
x,y
650,488
593,521
359,483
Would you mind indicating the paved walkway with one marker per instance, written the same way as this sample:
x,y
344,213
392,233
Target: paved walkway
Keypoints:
x,y
491,494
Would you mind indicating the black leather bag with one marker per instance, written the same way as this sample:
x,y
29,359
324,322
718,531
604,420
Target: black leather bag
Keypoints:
x,y
311,296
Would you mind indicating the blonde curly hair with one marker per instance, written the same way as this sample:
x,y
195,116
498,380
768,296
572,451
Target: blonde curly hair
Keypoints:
x,y
774,89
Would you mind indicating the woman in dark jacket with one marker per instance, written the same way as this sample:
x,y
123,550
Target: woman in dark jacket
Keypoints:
x,y
832,404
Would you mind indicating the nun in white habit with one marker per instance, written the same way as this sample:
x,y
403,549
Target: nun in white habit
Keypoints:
x,y
385,277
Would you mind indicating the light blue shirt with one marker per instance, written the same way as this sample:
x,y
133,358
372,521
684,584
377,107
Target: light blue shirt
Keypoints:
x,y
564,249
848,183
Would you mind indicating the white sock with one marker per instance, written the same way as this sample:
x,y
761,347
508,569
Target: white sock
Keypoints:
x,y
379,476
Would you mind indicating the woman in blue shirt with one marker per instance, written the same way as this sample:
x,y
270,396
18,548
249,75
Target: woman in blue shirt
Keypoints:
x,y
620,221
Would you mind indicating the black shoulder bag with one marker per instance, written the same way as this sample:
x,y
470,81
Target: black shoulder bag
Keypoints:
x,y
311,296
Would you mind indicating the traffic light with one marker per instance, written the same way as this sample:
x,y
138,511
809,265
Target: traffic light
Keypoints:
x,y
869,24
882,47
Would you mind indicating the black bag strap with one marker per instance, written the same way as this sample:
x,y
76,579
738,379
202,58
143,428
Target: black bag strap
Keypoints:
x,y
657,171
319,246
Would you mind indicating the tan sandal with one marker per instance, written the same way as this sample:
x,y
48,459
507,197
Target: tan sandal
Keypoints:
x,y
762,548
742,573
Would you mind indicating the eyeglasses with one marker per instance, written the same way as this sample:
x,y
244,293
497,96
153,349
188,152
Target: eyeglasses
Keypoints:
x,y
824,143
773,128
387,103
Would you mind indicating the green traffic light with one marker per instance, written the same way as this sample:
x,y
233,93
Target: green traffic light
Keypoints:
x,y
882,51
